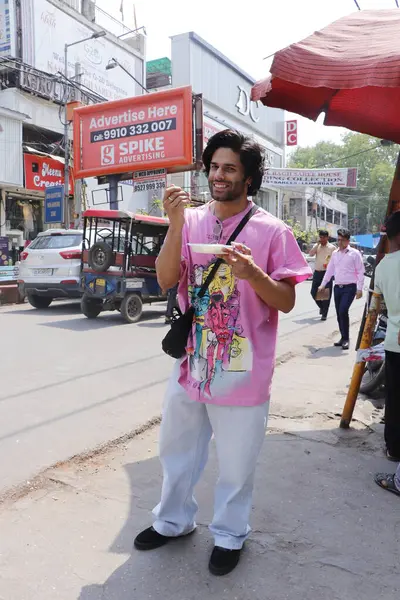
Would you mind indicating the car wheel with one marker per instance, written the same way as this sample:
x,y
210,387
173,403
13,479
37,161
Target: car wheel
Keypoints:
x,y
90,307
39,301
101,257
132,308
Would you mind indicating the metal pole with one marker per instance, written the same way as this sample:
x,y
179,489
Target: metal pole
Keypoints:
x,y
66,143
369,325
78,182
114,181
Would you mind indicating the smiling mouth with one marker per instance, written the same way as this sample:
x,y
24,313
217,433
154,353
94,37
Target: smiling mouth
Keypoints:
x,y
221,187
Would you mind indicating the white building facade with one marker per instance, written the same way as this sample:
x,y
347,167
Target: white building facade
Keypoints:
x,y
33,90
314,209
226,104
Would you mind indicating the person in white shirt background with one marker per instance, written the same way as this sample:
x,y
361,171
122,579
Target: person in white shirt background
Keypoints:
x,y
322,251
387,284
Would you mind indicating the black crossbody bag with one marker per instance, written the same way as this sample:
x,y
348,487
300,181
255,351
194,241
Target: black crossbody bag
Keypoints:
x,y
175,342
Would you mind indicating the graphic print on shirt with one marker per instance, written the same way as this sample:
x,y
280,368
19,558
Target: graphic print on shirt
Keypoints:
x,y
218,344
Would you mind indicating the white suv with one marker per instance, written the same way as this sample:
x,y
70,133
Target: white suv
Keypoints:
x,y
50,267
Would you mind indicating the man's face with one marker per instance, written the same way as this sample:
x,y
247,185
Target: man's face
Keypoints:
x,y
226,178
323,240
343,242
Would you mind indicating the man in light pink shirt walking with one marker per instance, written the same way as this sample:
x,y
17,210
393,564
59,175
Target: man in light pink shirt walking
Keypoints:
x,y
347,267
222,384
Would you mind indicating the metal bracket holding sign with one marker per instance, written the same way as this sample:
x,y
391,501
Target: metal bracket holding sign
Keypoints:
x,y
54,204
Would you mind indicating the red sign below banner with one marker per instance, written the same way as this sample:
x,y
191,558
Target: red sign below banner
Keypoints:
x,y
42,172
291,133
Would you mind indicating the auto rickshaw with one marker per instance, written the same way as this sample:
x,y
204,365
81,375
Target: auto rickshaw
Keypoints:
x,y
118,262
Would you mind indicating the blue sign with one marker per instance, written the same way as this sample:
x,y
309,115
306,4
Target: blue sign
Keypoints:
x,y
54,204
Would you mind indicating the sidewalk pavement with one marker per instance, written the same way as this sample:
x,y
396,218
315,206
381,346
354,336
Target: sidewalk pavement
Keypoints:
x,y
322,529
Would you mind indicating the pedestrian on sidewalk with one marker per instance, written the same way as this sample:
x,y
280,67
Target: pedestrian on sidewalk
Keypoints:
x,y
222,384
387,284
347,267
322,251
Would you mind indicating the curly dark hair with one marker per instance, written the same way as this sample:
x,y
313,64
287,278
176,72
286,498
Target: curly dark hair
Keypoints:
x,y
344,233
251,155
392,225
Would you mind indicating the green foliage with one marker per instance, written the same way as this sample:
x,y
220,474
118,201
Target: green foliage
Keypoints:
x,y
376,164
299,233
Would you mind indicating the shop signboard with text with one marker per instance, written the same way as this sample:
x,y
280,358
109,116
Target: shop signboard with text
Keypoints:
x,y
42,172
54,204
150,181
141,133
311,177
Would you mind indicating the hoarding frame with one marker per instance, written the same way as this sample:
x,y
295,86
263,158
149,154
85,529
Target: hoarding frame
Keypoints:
x,y
185,93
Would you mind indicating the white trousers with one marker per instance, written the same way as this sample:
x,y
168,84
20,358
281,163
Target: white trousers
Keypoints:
x,y
186,430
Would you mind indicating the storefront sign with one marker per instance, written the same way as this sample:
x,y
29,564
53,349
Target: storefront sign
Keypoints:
x,y
7,32
145,132
9,273
54,204
42,172
311,177
4,255
48,87
245,106
291,133
155,180
209,130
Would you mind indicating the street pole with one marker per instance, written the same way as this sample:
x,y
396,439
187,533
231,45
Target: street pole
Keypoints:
x,y
114,181
66,143
78,182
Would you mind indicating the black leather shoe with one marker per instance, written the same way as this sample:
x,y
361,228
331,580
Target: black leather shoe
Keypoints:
x,y
324,318
223,561
150,539
345,345
338,344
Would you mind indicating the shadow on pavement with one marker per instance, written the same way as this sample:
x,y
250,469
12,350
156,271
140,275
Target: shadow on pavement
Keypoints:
x,y
331,351
58,308
104,320
313,520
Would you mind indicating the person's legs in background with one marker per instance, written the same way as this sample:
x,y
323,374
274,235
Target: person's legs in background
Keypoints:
x,y
344,297
326,303
316,282
392,403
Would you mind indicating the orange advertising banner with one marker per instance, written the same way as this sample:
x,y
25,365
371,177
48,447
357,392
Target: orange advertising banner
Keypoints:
x,y
141,133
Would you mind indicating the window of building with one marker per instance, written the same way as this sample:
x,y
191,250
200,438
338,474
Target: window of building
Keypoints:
x,y
329,215
337,218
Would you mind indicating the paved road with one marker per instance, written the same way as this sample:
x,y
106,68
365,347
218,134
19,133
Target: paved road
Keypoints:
x,y
69,384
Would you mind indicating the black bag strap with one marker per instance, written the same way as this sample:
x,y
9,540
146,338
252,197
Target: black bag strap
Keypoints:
x,y
219,261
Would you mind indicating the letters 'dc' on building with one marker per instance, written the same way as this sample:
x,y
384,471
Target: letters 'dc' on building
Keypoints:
x,y
145,132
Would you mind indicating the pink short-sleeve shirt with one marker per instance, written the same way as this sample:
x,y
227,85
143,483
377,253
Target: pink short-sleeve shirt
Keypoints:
x,y
230,355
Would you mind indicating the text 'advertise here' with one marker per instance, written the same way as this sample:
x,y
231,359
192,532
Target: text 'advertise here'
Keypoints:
x,y
144,132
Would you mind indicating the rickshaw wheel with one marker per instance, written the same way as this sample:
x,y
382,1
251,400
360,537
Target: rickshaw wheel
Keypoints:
x,y
132,308
90,307
101,256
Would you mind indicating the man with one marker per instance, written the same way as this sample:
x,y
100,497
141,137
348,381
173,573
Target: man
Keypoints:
x,y
322,252
347,267
387,284
222,385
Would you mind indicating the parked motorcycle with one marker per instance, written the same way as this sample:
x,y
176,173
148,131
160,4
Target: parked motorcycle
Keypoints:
x,y
374,374
369,265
